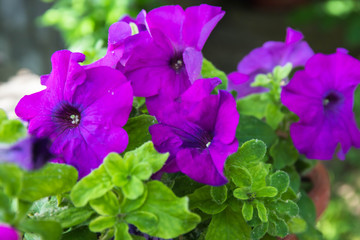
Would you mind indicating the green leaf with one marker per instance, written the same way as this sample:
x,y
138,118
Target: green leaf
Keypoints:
x,y
102,223
11,131
283,153
262,212
259,231
6,212
81,233
117,168
219,194
281,72
307,209
277,227
240,176
48,230
72,216
273,115
248,211
3,115
253,128
287,207
129,205
208,70
280,180
142,171
122,232
250,152
252,105
228,225
11,179
295,179
147,153
93,186
266,192
241,193
134,188
172,212
144,221
107,204
50,180
297,225
259,172
201,198
137,129
261,80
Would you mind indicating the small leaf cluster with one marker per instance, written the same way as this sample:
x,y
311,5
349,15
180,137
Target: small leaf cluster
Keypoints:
x,y
120,194
256,200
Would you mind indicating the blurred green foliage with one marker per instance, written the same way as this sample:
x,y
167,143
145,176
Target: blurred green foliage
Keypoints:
x,y
333,14
84,24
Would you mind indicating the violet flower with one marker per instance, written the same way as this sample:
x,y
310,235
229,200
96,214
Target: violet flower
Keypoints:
x,y
198,130
169,60
29,153
264,59
322,96
81,110
121,41
8,233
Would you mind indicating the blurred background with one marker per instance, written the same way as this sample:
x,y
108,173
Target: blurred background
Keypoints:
x,y
31,30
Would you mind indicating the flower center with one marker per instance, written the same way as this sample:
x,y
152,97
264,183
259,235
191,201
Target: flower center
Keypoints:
x,y
332,100
177,63
66,116
194,136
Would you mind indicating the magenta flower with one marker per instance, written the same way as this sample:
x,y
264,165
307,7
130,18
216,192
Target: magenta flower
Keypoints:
x,y
199,132
82,111
322,96
263,60
29,153
8,233
169,60
121,41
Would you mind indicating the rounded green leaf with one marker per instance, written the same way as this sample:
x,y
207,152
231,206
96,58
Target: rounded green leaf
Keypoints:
x,y
11,179
240,176
228,225
142,171
145,221
116,165
266,192
262,212
122,231
72,216
283,153
93,186
137,129
129,205
247,211
174,217
134,188
250,152
297,225
259,231
102,223
280,180
52,179
201,198
219,194
288,207
48,230
241,193
107,204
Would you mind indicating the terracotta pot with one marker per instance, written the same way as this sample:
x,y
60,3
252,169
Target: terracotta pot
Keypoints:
x,y
320,193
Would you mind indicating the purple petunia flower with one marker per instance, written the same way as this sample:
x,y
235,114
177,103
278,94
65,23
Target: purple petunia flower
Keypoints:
x,y
29,153
198,130
121,41
264,59
81,110
322,97
169,60
8,233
